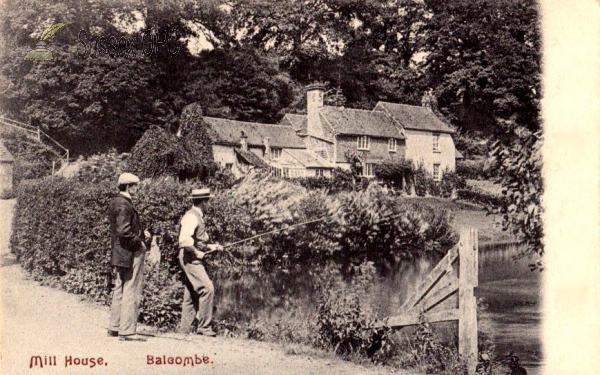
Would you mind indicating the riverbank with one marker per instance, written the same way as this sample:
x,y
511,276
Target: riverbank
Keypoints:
x,y
467,215
41,325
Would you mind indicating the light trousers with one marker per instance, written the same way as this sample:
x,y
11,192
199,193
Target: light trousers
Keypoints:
x,y
127,296
198,297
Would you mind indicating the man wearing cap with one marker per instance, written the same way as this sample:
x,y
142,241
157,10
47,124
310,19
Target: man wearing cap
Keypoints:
x,y
199,291
127,256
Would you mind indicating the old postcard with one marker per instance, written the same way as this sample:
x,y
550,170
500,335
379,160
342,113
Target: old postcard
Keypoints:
x,y
301,187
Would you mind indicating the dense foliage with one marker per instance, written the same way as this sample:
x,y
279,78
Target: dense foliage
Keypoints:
x,y
480,59
61,233
33,159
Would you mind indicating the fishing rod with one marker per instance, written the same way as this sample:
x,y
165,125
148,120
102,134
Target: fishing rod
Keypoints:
x,y
265,234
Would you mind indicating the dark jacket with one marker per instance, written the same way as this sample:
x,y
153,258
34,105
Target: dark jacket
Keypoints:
x,y
126,232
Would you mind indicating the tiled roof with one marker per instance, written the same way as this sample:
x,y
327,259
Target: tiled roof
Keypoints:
x,y
5,154
298,122
251,158
309,159
229,132
413,117
360,122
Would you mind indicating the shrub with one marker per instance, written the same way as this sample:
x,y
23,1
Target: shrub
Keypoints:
x,y
423,182
451,182
345,325
475,169
186,155
375,226
102,167
33,159
490,201
433,355
61,235
394,173
341,180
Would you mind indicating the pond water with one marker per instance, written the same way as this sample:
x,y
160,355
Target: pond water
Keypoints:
x,y
510,290
513,295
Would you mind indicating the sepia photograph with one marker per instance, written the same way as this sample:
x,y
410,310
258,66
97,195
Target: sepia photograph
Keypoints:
x,y
298,187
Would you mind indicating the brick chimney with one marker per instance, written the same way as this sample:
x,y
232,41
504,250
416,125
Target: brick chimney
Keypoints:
x,y
244,141
267,148
314,102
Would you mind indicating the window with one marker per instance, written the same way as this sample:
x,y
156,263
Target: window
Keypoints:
x,y
319,172
436,172
367,170
392,145
436,142
229,166
275,153
363,142
286,172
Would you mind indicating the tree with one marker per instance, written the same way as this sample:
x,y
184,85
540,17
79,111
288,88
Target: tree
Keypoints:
x,y
484,64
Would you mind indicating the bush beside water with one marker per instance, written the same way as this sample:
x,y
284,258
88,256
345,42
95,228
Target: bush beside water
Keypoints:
x,y
61,236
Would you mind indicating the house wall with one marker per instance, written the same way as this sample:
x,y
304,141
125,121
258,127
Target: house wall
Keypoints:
x,y
314,144
223,155
419,147
378,150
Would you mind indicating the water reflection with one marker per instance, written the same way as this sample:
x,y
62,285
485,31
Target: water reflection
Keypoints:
x,y
511,291
513,295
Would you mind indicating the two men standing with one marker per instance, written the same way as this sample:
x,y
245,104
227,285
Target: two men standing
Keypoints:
x,y
128,254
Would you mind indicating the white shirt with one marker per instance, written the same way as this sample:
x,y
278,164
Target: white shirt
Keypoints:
x,y
125,194
189,222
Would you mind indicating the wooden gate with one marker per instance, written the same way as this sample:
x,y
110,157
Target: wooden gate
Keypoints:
x,y
446,294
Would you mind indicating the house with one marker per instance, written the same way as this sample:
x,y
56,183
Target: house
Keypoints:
x,y
241,146
337,133
327,137
428,138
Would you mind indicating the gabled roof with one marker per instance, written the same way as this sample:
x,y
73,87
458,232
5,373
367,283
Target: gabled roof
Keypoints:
x,y
5,154
250,158
228,132
458,155
360,122
308,159
414,117
298,122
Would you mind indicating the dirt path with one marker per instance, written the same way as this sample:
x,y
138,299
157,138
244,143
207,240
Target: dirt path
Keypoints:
x,y
61,328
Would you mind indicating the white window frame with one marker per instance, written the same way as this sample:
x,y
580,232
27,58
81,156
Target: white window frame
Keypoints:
x,y
368,170
436,142
319,172
392,145
276,153
363,142
437,176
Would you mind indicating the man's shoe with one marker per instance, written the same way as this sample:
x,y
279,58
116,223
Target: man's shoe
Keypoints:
x,y
133,337
206,332
112,333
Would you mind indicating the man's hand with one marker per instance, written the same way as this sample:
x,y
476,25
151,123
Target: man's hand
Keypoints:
x,y
200,254
214,247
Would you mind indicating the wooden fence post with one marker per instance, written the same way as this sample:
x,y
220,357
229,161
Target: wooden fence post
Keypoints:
x,y
468,274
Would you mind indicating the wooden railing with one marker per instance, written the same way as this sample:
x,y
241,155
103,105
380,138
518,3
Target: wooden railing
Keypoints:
x,y
63,159
447,294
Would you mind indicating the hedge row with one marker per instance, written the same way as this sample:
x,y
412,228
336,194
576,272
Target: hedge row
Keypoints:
x,y
61,234
491,201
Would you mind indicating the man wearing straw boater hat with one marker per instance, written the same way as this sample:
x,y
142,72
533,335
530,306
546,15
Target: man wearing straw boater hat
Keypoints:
x,y
199,291
127,256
